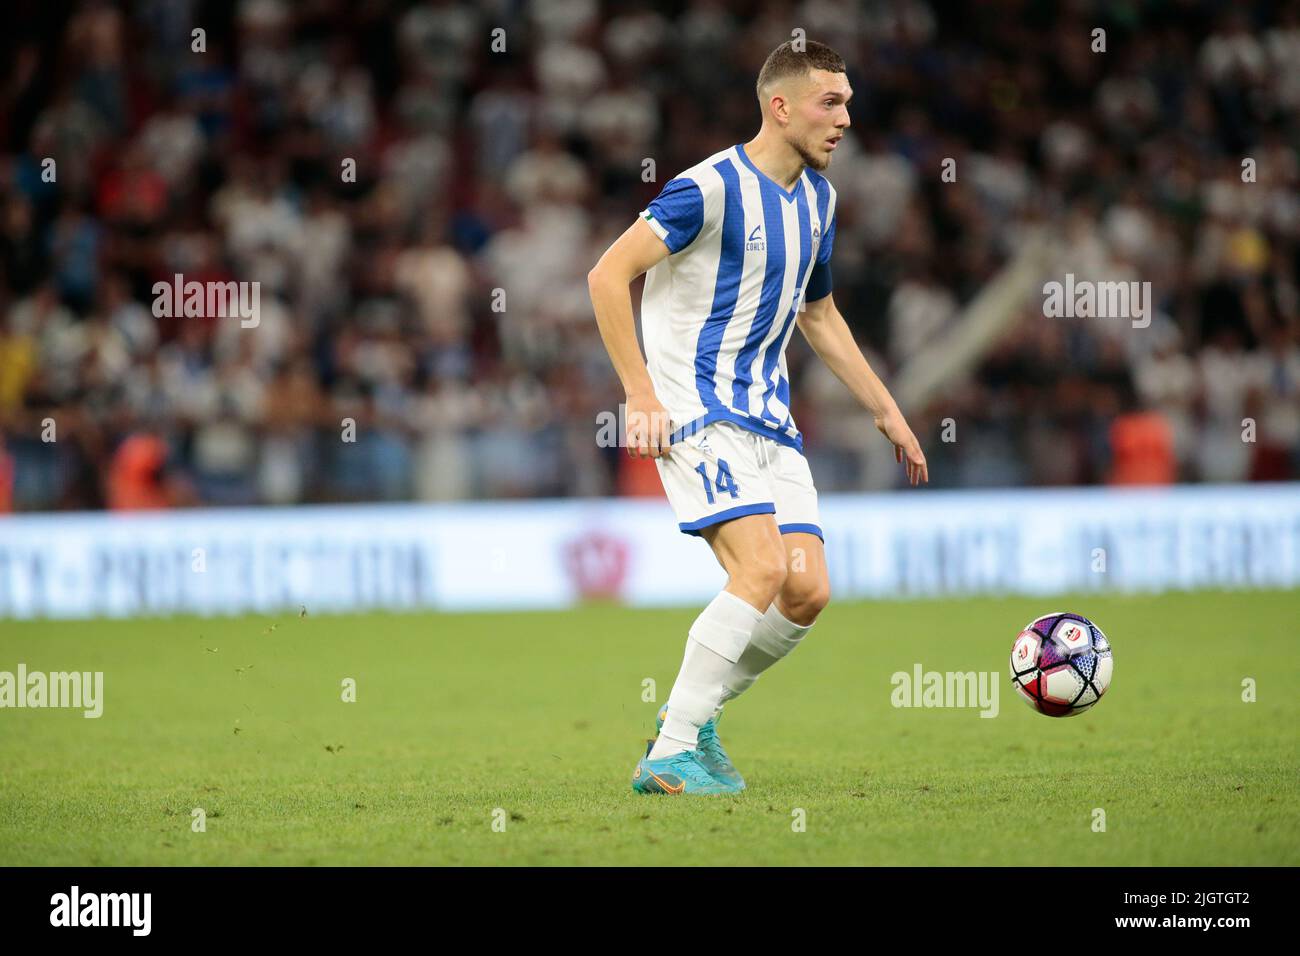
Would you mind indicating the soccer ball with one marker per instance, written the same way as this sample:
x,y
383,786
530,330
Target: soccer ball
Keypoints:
x,y
1061,664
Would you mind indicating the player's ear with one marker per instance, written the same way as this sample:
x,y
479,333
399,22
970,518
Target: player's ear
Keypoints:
x,y
776,105
779,106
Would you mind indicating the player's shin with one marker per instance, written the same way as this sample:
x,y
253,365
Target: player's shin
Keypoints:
x,y
774,637
716,642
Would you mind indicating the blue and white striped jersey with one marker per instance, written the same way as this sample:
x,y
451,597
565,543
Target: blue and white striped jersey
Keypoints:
x,y
716,315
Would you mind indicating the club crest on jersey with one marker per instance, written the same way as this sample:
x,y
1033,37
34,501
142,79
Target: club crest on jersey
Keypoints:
x,y
756,242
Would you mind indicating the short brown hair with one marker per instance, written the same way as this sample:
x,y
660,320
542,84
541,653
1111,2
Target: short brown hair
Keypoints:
x,y
784,61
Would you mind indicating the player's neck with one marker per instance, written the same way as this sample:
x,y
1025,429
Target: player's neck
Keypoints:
x,y
775,158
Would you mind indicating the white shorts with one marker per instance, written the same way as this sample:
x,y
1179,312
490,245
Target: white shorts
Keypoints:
x,y
724,471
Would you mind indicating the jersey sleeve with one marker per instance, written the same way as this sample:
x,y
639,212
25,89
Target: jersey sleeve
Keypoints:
x,y
677,213
820,283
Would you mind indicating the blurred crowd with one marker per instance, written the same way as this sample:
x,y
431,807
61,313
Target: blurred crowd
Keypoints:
x,y
421,187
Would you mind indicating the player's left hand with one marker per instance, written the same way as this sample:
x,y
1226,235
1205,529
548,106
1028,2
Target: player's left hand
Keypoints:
x,y
907,449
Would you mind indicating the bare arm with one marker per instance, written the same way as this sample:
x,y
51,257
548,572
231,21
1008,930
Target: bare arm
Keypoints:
x,y
633,253
830,337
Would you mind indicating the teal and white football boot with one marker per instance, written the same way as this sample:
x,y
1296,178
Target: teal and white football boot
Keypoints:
x,y
712,756
682,773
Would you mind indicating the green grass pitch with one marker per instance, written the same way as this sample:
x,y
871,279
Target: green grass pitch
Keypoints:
x,y
537,720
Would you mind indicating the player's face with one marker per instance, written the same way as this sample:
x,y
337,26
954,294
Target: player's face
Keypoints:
x,y
819,117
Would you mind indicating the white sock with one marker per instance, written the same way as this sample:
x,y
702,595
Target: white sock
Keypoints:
x,y
774,637
717,640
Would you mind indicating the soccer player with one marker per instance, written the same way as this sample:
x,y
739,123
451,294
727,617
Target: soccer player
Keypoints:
x,y
737,251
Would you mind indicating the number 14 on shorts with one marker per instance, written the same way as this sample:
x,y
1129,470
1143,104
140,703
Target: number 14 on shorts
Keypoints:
x,y
723,482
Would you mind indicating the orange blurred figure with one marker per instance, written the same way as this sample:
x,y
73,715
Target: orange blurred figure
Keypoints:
x,y
135,476
1142,445
639,478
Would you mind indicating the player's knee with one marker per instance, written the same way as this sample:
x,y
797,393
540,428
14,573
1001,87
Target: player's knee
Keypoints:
x,y
803,598
766,576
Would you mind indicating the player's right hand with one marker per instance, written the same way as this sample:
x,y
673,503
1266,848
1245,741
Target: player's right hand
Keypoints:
x,y
907,450
649,431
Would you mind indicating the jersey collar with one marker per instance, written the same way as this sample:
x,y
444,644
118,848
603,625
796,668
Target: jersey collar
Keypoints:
x,y
789,195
